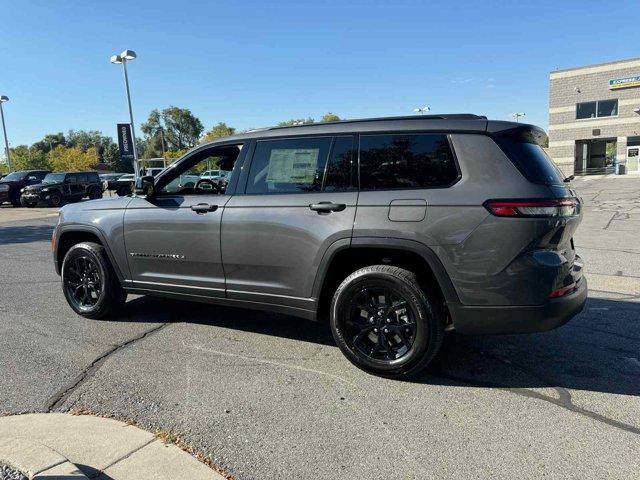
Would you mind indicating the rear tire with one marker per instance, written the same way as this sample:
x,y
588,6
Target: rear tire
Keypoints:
x,y
90,283
55,199
95,193
384,323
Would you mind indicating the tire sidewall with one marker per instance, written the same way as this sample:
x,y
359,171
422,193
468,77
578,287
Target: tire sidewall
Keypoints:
x,y
424,344
86,249
55,195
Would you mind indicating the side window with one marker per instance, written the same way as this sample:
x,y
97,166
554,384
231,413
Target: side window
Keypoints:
x,y
70,178
81,178
340,175
288,166
389,162
40,175
189,177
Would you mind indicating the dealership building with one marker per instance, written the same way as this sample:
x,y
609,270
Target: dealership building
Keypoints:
x,y
594,118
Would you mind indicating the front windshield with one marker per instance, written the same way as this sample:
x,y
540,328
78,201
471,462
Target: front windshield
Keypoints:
x,y
15,176
53,178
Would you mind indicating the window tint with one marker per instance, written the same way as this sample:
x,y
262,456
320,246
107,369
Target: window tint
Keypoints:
x,y
92,177
81,178
524,150
406,161
288,166
341,167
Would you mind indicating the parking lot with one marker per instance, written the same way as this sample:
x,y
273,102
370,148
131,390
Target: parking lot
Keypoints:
x,y
269,396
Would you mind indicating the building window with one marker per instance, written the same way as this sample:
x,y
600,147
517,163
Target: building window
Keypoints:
x,y
601,108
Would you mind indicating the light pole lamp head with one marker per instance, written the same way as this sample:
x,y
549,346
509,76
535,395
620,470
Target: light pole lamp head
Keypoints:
x,y
4,98
128,55
116,59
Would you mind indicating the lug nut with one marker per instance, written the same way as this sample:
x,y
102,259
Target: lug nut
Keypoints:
x,y
375,330
386,330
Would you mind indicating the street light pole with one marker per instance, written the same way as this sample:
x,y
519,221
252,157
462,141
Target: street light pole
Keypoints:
x,y
123,58
3,99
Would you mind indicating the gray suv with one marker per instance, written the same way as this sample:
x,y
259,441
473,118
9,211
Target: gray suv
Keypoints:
x,y
395,229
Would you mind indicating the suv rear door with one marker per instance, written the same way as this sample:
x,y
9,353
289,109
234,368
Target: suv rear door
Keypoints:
x,y
299,198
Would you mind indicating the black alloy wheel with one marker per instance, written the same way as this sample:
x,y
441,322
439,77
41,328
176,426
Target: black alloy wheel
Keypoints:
x,y
90,283
380,323
55,199
385,323
83,282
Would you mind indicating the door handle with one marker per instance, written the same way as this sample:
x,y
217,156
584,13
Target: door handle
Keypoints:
x,y
324,208
202,208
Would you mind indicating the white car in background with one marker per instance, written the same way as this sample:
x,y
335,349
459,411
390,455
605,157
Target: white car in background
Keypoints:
x,y
216,175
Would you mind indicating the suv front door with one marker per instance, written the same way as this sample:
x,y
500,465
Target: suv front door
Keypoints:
x,y
173,239
300,198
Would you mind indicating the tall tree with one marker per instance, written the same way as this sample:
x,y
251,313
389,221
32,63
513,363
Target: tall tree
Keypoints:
x,y
330,117
180,127
218,131
50,141
71,159
28,158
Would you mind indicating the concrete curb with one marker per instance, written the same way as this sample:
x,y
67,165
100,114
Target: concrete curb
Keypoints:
x,y
104,448
35,460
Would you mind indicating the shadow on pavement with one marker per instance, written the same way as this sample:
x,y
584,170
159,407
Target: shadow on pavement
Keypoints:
x,y
597,351
25,234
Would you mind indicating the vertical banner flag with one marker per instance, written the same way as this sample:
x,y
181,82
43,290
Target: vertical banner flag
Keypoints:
x,y
125,142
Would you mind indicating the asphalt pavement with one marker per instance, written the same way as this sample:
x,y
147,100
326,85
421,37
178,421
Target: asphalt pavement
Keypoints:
x,y
269,396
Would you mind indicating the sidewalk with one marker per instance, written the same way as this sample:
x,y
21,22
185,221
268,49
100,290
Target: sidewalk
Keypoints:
x,y
64,446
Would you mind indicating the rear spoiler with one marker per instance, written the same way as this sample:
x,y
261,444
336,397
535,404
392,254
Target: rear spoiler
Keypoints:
x,y
519,131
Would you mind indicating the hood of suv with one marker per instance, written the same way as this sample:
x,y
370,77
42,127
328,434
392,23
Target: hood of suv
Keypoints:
x,y
38,187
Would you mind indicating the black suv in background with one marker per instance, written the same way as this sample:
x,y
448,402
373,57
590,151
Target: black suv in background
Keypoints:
x,y
60,186
12,184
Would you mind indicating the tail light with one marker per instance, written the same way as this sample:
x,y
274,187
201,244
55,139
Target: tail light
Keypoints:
x,y
561,292
545,207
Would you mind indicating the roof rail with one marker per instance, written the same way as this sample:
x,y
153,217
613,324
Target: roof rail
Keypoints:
x,y
446,116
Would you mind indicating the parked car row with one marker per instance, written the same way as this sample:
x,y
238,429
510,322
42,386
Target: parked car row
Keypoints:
x,y
30,187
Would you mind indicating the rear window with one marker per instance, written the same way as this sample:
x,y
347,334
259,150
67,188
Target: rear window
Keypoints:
x,y
523,149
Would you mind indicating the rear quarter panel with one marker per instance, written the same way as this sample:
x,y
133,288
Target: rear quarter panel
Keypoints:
x,y
470,243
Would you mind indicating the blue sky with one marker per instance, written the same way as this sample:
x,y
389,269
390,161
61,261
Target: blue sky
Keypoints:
x,y
252,64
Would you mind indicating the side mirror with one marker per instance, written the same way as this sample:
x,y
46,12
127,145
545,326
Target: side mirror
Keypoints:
x,y
144,186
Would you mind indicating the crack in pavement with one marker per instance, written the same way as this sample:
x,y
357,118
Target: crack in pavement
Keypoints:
x,y
59,398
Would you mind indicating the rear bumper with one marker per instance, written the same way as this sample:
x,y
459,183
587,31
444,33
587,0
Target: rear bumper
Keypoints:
x,y
475,320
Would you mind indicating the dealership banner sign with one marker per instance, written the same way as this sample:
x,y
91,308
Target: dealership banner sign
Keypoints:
x,y
626,82
125,142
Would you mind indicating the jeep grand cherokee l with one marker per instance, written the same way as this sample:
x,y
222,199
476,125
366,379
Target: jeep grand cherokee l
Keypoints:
x,y
396,229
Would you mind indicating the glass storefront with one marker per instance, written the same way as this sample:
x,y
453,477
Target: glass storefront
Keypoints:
x,y
595,156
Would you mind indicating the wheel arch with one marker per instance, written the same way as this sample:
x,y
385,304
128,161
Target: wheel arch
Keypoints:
x,y
343,260
70,235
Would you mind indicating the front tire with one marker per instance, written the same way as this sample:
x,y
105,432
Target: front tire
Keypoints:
x,y
90,283
384,323
27,204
